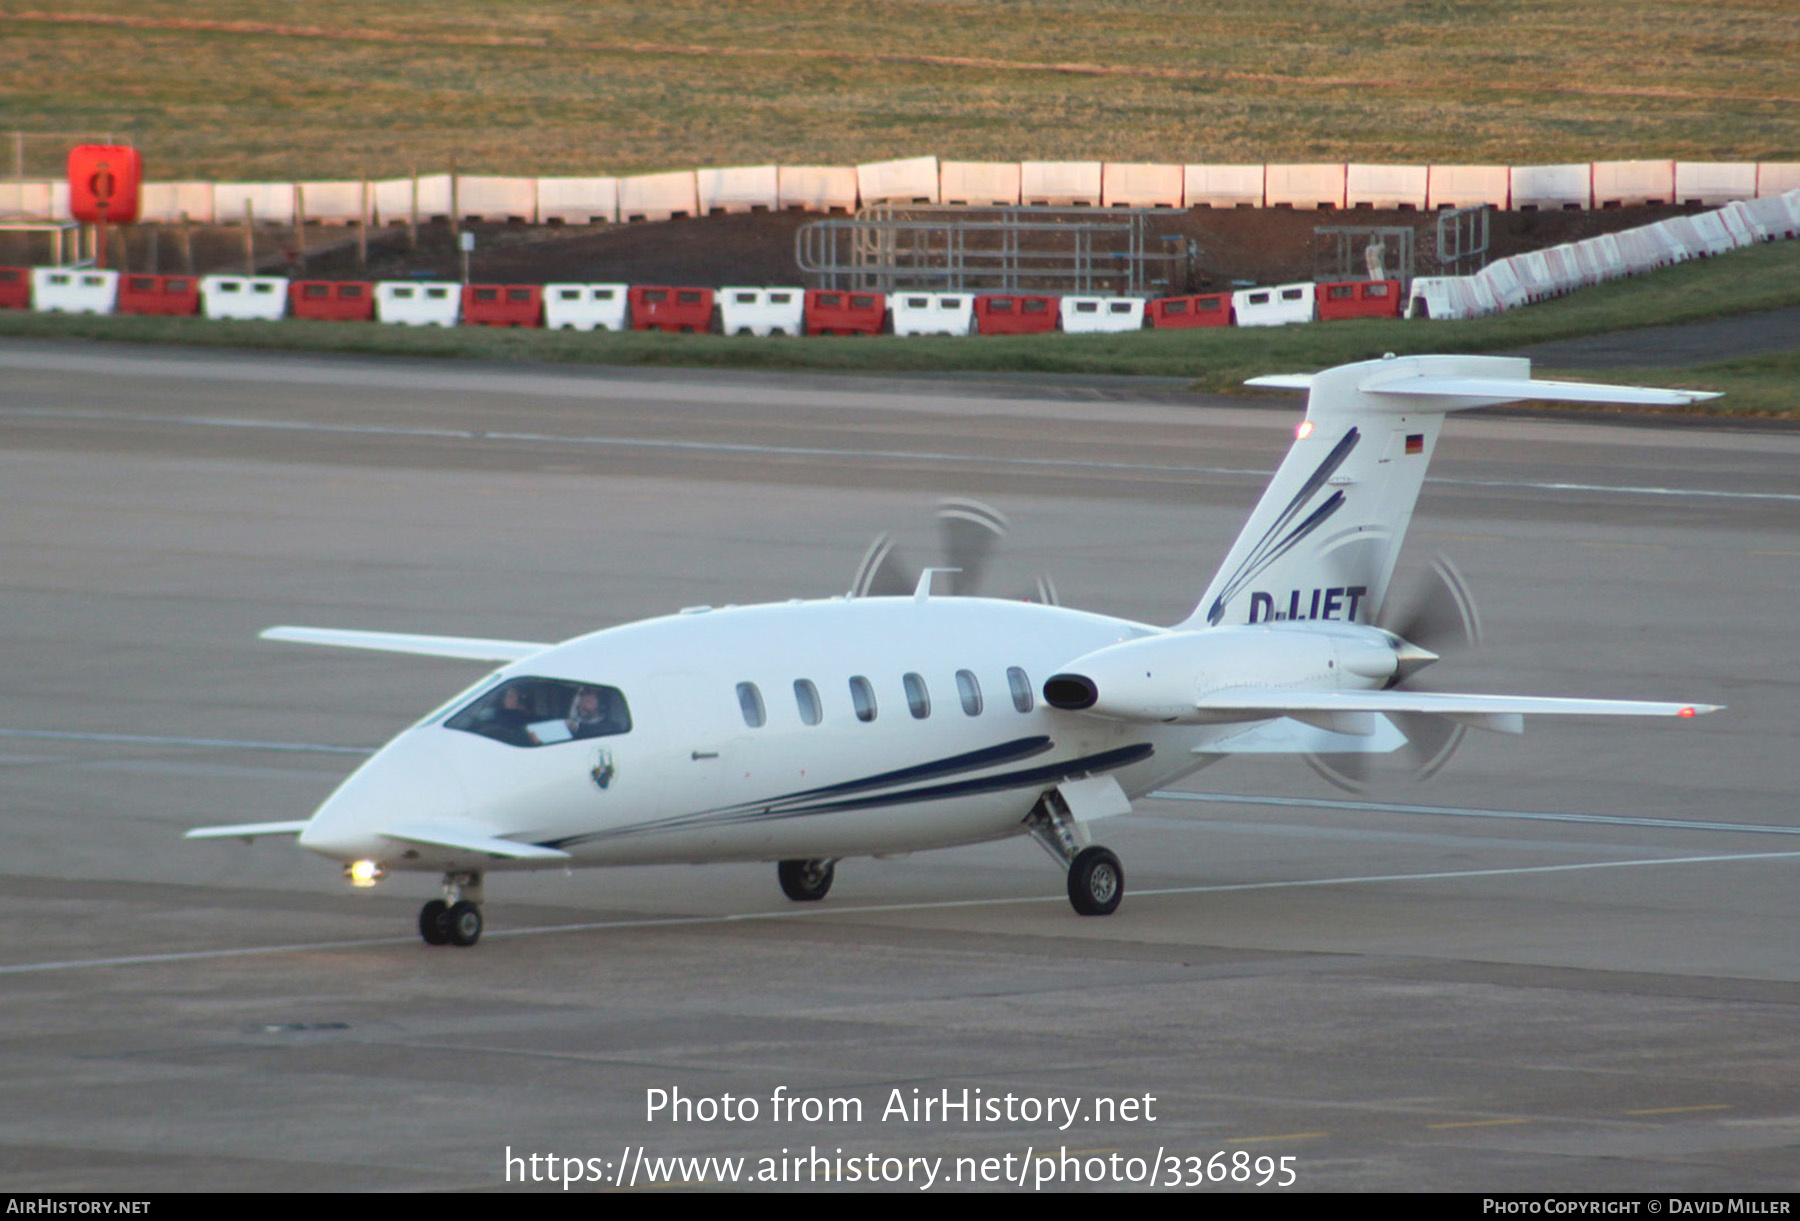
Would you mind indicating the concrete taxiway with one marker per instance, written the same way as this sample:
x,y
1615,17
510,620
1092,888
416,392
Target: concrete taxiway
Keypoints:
x,y
1567,963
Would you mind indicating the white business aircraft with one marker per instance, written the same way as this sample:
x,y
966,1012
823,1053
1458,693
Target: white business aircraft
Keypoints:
x,y
866,725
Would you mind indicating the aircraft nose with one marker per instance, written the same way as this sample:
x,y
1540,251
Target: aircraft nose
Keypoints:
x,y
409,782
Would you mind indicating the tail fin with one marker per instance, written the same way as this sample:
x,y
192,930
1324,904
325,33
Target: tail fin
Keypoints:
x,y
1322,542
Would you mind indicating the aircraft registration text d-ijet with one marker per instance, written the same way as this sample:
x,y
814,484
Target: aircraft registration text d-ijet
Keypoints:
x,y
883,721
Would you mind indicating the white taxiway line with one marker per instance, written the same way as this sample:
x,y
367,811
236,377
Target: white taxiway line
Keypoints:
x,y
873,455
138,960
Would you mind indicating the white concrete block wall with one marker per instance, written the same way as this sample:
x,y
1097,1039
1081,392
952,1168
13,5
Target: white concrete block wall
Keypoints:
x,y
578,201
911,180
1467,186
1548,187
739,188
1137,184
1060,183
979,183
1386,186
658,196
1222,186
1303,186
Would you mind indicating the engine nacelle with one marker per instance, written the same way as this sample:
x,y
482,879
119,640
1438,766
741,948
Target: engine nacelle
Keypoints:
x,y
1161,678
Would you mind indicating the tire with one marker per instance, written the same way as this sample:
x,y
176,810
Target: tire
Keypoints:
x,y
806,881
434,922
1096,882
464,924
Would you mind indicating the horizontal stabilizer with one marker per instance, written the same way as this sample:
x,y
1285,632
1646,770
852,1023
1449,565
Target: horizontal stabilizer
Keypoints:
x,y
247,831
1489,390
1480,711
470,841
468,648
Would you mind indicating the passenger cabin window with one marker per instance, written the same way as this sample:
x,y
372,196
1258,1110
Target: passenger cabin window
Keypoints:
x,y
807,697
969,689
543,712
750,701
918,700
1020,687
862,698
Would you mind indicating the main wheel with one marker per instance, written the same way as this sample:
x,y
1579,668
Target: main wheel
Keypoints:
x,y
1096,882
805,881
464,923
434,922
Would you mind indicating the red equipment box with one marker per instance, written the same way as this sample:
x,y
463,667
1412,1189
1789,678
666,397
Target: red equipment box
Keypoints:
x,y
104,182
177,295
15,288
1358,299
1015,313
660,308
829,312
503,305
332,300
1213,309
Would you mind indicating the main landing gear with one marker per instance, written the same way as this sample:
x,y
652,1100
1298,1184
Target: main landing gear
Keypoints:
x,y
1096,879
454,919
806,881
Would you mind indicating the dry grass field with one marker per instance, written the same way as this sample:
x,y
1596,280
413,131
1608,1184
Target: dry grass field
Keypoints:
x,y
253,89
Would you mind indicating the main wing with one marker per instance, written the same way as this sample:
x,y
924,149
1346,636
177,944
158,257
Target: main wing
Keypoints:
x,y
468,648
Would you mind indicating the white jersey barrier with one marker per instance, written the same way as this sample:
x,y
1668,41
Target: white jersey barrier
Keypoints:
x,y
658,196
55,291
740,188
1623,184
266,203
417,304
331,203
395,201
578,201
818,188
979,183
932,313
1277,306
1131,184
36,200
1386,186
1713,183
1095,315
1303,186
1549,187
762,311
173,202
914,180
1467,186
1060,184
1222,186
245,298
585,307
496,199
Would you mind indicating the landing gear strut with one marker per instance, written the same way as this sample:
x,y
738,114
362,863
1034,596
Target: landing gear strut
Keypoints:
x,y
806,881
454,919
1096,879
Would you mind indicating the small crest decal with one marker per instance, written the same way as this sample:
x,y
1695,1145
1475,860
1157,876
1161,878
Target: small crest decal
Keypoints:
x,y
603,769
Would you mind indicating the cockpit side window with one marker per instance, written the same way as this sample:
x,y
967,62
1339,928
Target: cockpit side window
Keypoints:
x,y
544,711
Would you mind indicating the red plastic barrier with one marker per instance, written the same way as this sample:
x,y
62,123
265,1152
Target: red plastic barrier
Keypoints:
x,y
104,182
836,313
332,300
177,295
658,308
1358,299
1015,313
15,288
1213,309
503,305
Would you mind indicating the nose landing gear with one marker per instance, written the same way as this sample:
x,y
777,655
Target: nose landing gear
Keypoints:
x,y
454,919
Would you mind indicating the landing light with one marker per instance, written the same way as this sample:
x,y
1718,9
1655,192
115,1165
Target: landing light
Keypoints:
x,y
1304,431
1685,712
364,873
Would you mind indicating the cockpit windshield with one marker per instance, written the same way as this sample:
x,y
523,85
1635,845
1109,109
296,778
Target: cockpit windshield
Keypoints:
x,y
544,711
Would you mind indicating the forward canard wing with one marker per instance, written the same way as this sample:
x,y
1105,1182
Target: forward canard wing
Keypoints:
x,y
468,648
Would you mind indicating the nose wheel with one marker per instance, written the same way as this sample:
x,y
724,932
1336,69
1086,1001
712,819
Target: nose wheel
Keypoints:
x,y
454,919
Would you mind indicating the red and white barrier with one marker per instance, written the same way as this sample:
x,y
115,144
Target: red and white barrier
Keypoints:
x,y
1207,309
503,305
912,180
1357,299
832,312
762,311
742,188
1014,313
244,298
332,300
932,313
171,296
406,303
578,201
1276,306
55,291
659,307
586,307
1101,315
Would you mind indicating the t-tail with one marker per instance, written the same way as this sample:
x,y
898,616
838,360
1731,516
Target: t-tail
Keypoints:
x,y
1322,542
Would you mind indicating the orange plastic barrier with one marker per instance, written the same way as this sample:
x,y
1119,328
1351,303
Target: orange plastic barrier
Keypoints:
x,y
837,313
1212,309
177,295
1358,299
1015,313
503,305
332,300
15,288
661,308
